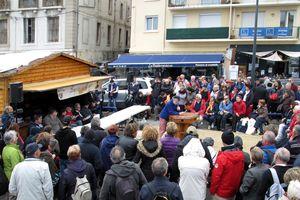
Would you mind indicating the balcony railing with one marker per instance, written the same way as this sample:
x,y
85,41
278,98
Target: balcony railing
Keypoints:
x,y
4,4
266,33
28,3
197,33
50,3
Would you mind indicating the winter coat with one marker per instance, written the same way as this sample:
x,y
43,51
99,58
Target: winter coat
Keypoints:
x,y
74,169
123,169
87,115
194,170
169,109
35,129
147,151
106,146
260,92
7,119
31,179
294,148
169,144
54,123
66,137
156,89
285,105
249,98
201,107
91,154
11,156
252,182
46,156
262,112
266,158
239,108
179,152
129,145
100,134
227,173
182,97
225,107
161,184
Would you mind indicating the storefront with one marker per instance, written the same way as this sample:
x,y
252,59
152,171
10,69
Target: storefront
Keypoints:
x,y
168,65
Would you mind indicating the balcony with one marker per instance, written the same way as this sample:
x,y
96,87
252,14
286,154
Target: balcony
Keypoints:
x,y
51,3
196,3
274,34
4,4
197,33
28,3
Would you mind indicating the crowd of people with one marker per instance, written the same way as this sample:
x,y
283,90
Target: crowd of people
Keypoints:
x,y
146,163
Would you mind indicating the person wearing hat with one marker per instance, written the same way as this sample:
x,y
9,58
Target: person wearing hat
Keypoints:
x,y
191,132
31,178
171,108
239,111
66,137
228,170
106,146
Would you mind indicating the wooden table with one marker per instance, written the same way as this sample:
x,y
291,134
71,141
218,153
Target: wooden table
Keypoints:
x,y
183,121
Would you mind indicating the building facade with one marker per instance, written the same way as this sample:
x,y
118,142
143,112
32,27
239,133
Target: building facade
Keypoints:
x,y
94,30
213,26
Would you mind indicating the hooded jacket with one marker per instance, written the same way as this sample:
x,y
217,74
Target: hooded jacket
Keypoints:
x,y
227,173
105,148
77,168
91,154
147,151
194,170
123,169
129,145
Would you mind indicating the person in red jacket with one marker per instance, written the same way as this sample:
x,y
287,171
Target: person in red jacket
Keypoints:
x,y
228,170
239,111
198,106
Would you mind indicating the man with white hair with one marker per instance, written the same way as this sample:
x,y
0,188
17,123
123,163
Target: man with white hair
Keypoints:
x,y
123,176
281,159
99,133
11,154
268,147
294,145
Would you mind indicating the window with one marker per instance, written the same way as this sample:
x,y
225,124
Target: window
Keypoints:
x,y
4,4
179,21
210,20
87,3
143,84
29,30
178,2
127,38
128,14
151,23
49,3
248,19
85,31
210,2
110,2
53,29
108,35
98,34
3,31
120,35
287,18
121,11
28,3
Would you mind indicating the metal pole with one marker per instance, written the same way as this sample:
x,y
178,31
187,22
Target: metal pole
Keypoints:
x,y
254,46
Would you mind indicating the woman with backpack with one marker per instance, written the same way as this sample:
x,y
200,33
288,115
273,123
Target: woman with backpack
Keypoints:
x,y
78,179
148,150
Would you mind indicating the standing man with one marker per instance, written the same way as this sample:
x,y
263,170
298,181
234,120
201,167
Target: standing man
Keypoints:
x,y
156,89
133,89
113,90
171,108
31,178
228,170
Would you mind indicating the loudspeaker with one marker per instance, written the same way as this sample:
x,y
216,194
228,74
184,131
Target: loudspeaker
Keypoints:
x,y
130,76
16,93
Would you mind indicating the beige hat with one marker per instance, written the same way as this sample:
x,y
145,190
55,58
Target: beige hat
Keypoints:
x,y
192,130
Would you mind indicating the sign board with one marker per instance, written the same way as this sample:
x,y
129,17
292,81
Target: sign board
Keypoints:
x,y
77,90
269,32
250,66
233,72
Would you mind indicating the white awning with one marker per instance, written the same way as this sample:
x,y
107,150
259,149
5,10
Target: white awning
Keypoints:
x,y
275,57
258,54
293,54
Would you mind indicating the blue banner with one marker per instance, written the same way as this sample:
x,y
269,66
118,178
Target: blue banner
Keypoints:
x,y
269,32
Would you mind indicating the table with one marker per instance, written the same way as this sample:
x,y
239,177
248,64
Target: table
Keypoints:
x,y
116,117
183,121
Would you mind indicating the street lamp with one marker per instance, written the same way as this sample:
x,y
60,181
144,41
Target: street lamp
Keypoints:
x,y
254,46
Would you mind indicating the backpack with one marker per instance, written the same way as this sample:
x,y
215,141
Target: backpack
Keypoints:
x,y
126,187
160,195
3,182
276,190
82,189
270,156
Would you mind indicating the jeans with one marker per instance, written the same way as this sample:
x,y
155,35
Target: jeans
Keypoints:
x,y
259,123
223,119
235,120
112,102
63,164
210,118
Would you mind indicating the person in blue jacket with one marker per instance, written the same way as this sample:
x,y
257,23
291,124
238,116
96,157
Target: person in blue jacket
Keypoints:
x,y
171,108
225,112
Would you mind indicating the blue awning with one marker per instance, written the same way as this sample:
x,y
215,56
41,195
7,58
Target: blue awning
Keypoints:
x,y
148,61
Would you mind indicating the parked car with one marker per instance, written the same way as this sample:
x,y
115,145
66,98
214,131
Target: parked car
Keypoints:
x,y
123,90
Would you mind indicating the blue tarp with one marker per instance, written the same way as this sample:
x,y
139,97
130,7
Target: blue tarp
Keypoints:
x,y
192,60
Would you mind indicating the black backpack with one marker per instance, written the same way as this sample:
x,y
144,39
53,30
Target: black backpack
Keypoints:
x,y
3,182
126,187
160,195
